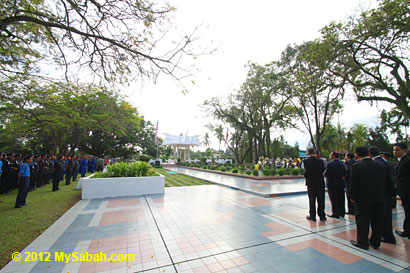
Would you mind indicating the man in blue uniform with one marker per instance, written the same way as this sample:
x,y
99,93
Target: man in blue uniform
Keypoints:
x,y
23,182
83,166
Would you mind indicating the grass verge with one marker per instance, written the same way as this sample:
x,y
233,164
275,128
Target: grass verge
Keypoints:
x,y
19,227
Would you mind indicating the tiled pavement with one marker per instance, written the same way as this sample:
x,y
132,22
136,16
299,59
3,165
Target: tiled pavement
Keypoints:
x,y
263,188
210,229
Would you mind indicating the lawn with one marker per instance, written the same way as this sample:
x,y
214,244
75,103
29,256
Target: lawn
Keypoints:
x,y
19,227
178,180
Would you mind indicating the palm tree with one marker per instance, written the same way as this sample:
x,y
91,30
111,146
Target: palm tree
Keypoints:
x,y
219,135
206,140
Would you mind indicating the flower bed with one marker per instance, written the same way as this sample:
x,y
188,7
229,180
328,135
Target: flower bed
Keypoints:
x,y
123,179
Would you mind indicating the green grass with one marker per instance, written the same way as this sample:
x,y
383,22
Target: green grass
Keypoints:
x,y
19,227
178,180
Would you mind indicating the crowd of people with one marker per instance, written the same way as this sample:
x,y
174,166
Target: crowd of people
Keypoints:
x,y
31,172
369,183
279,162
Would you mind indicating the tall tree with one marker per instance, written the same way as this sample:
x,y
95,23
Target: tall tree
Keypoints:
x,y
316,93
375,47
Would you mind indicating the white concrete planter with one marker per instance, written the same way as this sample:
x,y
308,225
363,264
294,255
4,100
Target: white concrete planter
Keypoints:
x,y
96,188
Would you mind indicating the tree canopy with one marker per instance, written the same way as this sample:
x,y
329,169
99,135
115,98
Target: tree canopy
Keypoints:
x,y
115,39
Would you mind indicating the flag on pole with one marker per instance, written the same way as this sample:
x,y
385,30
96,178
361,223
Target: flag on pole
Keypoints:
x,y
156,133
226,138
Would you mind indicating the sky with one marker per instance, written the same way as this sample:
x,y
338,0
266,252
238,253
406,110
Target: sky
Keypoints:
x,y
242,31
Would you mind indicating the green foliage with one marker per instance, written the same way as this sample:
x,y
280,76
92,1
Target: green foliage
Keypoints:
x,y
267,172
235,171
255,172
281,172
301,171
248,172
295,171
222,169
55,117
125,169
144,158
288,171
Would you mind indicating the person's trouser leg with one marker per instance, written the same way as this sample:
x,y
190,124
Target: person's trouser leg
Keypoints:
x,y
362,224
312,201
376,222
405,200
388,221
333,197
320,191
22,193
341,202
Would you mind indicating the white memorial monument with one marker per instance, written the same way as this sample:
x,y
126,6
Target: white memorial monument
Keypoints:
x,y
181,145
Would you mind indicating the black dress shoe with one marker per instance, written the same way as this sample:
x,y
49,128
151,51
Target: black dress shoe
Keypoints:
x,y
374,245
19,207
311,218
354,243
322,218
333,216
402,234
393,242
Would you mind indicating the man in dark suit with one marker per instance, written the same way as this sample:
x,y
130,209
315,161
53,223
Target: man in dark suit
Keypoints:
x,y
367,182
402,172
349,161
387,236
314,169
335,172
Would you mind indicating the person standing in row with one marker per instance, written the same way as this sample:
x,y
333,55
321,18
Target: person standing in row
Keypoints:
x,y
402,172
34,172
349,161
93,162
76,168
335,173
366,190
56,172
69,170
83,166
314,169
23,182
387,236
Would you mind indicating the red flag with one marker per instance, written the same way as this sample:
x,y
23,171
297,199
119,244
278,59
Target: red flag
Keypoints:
x,y
226,139
156,133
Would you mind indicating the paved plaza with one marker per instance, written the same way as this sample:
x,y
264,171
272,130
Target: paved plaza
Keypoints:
x,y
209,229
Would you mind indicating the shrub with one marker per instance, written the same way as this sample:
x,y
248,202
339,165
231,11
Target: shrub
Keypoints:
x,y
234,170
301,171
255,172
124,169
295,171
281,171
273,171
267,172
288,171
248,172
144,158
222,169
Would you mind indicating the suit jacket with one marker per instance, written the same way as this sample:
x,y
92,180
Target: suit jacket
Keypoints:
x,y
335,172
367,182
402,172
388,188
314,168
